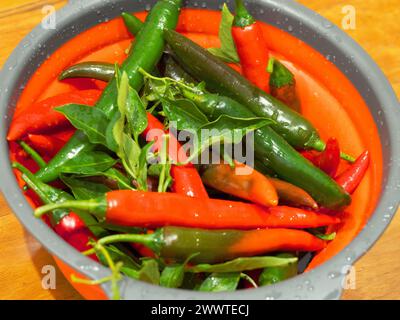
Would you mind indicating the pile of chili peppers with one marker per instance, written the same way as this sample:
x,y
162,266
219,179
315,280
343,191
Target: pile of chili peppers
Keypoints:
x,y
168,221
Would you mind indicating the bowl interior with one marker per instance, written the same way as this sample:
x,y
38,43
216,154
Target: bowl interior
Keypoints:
x,y
357,107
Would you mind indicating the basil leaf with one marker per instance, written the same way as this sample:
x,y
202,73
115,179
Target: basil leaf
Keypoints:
x,y
227,51
83,189
242,264
92,121
184,113
217,282
88,163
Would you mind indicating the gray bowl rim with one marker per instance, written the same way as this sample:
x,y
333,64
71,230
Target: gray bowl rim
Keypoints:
x,y
325,281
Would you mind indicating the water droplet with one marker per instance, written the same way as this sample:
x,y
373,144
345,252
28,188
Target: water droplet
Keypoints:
x,y
333,275
327,24
290,28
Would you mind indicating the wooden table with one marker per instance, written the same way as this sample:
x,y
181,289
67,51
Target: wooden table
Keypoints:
x,y
377,273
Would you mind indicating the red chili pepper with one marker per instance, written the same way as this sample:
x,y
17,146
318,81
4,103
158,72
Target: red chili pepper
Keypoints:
x,y
352,177
153,210
251,47
47,145
187,180
250,185
67,225
40,116
329,159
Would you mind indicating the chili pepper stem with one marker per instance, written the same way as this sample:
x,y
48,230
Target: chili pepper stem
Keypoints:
x,y
95,206
26,176
320,146
243,18
33,154
151,240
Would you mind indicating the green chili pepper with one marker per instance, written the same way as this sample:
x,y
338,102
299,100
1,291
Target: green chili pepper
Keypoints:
x,y
282,158
132,23
174,71
97,70
206,246
146,52
220,78
273,275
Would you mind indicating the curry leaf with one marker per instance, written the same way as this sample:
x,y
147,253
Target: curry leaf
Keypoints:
x,y
88,163
110,137
142,176
271,275
83,189
117,255
148,272
225,129
242,264
227,51
136,114
172,276
92,121
184,113
116,175
217,282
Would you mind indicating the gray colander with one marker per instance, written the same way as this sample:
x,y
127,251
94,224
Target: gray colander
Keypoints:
x,y
325,282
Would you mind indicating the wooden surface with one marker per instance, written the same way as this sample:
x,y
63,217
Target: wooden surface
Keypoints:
x,y
377,273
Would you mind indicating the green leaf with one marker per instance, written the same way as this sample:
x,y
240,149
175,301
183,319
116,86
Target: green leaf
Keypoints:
x,y
242,264
129,153
88,163
83,189
92,121
155,170
217,282
271,275
120,229
165,178
184,113
172,276
110,137
117,255
225,129
142,176
136,114
149,272
114,174
227,52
